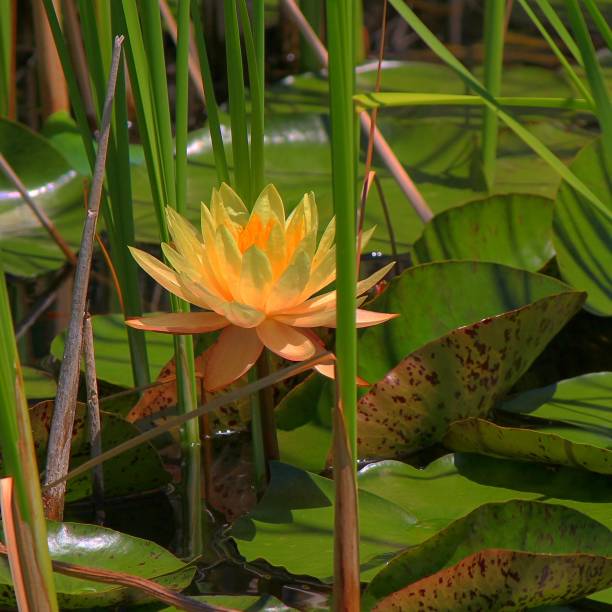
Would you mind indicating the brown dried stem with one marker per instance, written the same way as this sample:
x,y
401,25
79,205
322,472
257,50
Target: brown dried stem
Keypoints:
x,y
58,453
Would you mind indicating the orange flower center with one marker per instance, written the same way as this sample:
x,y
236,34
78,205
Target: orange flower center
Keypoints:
x,y
255,233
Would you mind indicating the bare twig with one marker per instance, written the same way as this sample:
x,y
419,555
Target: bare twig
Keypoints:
x,y
150,587
40,214
381,146
42,302
177,421
193,62
94,427
58,453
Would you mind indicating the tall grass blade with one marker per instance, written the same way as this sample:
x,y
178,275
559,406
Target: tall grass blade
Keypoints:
x,y
593,73
8,87
523,133
600,22
569,71
562,32
19,457
237,106
212,108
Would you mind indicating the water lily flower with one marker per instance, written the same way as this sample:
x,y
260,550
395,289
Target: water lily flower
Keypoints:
x,y
254,275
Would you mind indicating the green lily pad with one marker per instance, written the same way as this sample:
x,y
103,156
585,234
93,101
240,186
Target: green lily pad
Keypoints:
x,y
469,480
584,401
292,526
111,348
459,375
98,547
515,230
514,555
139,469
582,233
27,249
554,444
38,383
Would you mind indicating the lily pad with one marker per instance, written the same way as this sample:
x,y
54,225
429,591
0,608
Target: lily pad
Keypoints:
x,y
248,603
582,233
515,230
99,547
139,469
292,526
584,401
461,374
513,555
111,348
27,249
469,480
38,383
554,444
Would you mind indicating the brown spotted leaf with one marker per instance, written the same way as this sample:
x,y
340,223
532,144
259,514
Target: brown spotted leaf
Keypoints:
x,y
232,416
459,375
509,556
139,469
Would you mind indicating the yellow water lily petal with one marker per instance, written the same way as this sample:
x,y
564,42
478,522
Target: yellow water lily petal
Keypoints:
x,y
232,356
242,315
183,234
286,341
275,248
321,276
269,203
289,286
365,237
229,258
326,242
180,322
322,302
255,277
196,293
234,205
318,318
166,277
176,260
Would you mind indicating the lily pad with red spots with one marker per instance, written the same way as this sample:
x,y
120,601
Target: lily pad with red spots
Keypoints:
x,y
514,555
552,443
139,469
469,366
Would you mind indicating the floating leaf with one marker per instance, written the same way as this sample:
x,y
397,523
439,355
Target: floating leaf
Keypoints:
x,y
111,347
514,555
248,603
553,444
27,249
139,469
584,401
98,547
462,373
515,230
293,526
582,233
38,383
468,481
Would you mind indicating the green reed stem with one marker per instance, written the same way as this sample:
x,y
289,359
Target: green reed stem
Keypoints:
x,y
593,73
7,59
148,75
19,457
237,106
257,102
212,108
569,71
559,27
494,20
600,22
190,433
117,213
313,12
341,86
